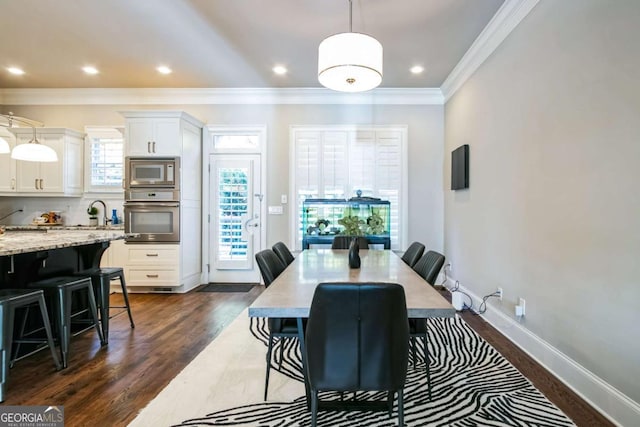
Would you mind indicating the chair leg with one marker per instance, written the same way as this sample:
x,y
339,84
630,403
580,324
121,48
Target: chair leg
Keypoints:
x,y
47,328
125,295
400,408
94,313
412,342
314,408
103,297
63,313
5,346
266,378
426,363
390,398
23,326
282,341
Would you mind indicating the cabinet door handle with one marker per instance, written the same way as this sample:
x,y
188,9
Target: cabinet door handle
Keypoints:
x,y
148,146
41,184
152,254
154,146
36,183
13,183
152,276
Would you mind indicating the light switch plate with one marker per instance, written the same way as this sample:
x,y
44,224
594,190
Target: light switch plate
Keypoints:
x,y
283,199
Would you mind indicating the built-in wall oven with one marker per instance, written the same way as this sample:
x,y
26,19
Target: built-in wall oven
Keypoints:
x,y
152,200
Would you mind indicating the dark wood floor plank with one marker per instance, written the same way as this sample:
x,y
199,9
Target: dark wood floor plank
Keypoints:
x,y
109,386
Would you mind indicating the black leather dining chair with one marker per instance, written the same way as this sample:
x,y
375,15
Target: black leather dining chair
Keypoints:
x,y
428,266
343,242
413,253
283,253
357,339
271,266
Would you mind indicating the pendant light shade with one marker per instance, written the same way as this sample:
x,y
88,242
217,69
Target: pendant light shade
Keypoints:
x,y
4,146
33,151
350,62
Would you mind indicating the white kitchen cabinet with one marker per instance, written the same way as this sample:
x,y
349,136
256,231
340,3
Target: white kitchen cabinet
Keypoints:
x,y
152,267
7,164
156,133
61,178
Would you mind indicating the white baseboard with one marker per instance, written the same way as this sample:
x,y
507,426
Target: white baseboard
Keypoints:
x,y
613,404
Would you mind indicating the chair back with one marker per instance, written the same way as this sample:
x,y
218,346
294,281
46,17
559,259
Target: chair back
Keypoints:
x,y
413,253
270,265
429,266
357,337
283,253
343,242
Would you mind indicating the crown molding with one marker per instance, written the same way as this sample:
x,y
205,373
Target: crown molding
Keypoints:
x,y
503,22
191,96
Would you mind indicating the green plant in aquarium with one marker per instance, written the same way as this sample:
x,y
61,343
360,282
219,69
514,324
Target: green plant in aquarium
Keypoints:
x,y
375,224
351,225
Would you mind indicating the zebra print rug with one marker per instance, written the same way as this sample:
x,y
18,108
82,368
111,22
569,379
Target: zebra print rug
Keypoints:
x,y
471,384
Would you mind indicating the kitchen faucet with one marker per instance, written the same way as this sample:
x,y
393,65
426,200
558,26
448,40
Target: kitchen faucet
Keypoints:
x,y
104,211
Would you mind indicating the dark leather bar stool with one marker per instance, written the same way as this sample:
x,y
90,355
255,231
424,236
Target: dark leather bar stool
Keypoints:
x,y
10,300
60,289
101,279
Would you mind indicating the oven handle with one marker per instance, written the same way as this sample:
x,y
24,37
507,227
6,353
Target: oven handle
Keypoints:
x,y
150,204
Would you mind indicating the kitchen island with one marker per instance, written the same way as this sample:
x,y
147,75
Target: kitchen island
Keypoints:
x,y
29,255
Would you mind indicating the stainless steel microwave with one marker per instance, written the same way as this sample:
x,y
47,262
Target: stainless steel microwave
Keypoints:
x,y
152,172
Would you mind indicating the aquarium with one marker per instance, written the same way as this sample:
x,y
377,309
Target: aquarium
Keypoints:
x,y
323,219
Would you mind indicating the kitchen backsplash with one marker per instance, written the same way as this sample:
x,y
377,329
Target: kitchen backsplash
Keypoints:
x,y
72,210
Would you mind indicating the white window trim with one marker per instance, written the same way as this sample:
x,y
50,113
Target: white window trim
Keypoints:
x,y
88,189
403,216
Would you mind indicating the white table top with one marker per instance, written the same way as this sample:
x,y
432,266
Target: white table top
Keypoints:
x,y
291,293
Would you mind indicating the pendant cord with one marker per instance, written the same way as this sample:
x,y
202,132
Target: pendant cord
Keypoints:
x,y
350,16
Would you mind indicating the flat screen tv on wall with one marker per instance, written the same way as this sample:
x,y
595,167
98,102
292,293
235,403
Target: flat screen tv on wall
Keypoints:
x,y
460,167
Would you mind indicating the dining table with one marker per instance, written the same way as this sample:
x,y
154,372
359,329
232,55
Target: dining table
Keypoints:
x,y
291,293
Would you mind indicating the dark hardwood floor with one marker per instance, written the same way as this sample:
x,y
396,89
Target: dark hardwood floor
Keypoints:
x,y
109,386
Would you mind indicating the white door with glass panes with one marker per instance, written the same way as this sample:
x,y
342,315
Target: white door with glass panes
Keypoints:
x,y
235,222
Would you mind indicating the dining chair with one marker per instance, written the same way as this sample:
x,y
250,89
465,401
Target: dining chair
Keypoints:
x,y
428,266
343,242
283,253
413,253
357,339
271,266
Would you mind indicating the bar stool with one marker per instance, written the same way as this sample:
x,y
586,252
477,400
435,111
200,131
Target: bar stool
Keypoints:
x,y
10,300
61,289
101,279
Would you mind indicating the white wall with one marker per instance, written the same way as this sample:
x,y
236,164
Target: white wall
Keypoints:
x,y
553,209
425,142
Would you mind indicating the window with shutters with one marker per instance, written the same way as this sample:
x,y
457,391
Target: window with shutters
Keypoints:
x,y
104,152
334,162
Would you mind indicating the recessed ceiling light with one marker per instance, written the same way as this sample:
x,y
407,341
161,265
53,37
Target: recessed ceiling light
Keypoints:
x,y
279,69
15,70
163,69
417,69
90,70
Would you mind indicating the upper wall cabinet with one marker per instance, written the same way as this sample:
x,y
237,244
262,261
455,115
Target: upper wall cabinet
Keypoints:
x,y
61,178
157,133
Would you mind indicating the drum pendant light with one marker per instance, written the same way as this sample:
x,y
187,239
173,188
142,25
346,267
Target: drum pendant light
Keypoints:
x,y
350,62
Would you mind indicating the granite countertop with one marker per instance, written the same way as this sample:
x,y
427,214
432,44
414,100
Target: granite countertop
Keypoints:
x,y
23,240
58,227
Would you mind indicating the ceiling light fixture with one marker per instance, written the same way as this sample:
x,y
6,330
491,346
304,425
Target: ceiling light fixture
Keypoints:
x,y
33,151
279,69
350,62
163,69
417,69
90,70
16,71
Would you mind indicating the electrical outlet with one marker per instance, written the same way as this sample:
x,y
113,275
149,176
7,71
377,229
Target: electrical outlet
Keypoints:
x,y
499,291
520,308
